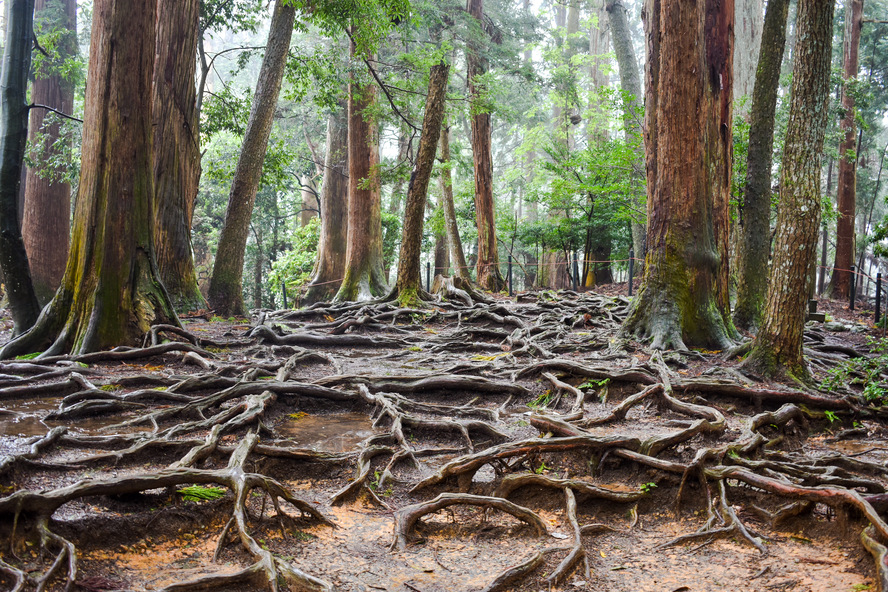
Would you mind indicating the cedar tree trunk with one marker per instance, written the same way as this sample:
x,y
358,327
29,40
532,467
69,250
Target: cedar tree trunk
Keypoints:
x,y
364,277
46,223
489,276
13,136
847,188
683,298
454,243
176,149
777,349
226,292
110,293
330,266
408,286
755,211
747,41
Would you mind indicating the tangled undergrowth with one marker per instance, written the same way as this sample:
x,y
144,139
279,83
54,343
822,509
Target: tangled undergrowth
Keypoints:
x,y
499,446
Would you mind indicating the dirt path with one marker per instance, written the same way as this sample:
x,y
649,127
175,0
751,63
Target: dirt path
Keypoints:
x,y
507,446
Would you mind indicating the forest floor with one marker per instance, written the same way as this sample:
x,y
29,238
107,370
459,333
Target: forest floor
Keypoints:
x,y
519,444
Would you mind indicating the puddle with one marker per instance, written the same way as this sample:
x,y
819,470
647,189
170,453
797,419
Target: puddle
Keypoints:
x,y
25,419
329,433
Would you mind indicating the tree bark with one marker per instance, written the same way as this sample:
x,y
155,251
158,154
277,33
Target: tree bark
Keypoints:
x,y
409,281
226,291
755,211
683,298
46,221
330,266
777,349
847,187
176,149
364,277
488,272
457,254
13,137
111,293
747,41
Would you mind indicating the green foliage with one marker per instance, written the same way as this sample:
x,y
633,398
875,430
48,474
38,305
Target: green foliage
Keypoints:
x,y
865,372
648,487
28,356
541,401
199,493
293,267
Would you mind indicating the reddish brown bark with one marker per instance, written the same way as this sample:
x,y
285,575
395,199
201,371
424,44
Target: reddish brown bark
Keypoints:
x,y
330,266
176,149
847,187
489,276
364,273
46,221
777,349
684,298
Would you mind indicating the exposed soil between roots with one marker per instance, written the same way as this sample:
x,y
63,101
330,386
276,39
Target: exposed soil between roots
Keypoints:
x,y
508,445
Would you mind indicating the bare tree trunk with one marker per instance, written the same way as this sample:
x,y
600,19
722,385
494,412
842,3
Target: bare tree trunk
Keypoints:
x,y
111,292
330,266
777,349
755,209
14,124
457,254
748,26
176,149
408,284
489,276
226,292
364,272
46,220
847,188
683,297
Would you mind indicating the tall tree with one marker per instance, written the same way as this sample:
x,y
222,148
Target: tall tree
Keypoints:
x,y
13,137
176,149
777,349
330,266
46,220
364,271
847,188
488,275
110,294
747,41
630,84
226,291
755,211
683,297
408,285
454,243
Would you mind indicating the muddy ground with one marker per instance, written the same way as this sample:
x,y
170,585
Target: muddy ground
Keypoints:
x,y
514,445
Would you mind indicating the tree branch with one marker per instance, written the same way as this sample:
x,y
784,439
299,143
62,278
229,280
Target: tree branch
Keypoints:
x,y
56,111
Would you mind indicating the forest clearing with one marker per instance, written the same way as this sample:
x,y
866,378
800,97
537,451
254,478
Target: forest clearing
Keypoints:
x,y
443,295
516,445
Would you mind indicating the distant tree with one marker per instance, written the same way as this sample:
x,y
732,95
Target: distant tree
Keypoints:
x,y
46,220
111,293
13,137
683,300
777,349
225,293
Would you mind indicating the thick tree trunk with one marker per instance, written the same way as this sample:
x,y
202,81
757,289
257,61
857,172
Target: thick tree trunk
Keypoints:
x,y
755,211
111,293
488,272
408,284
176,149
226,292
330,266
364,272
14,119
457,254
777,349
847,188
630,83
46,221
683,298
